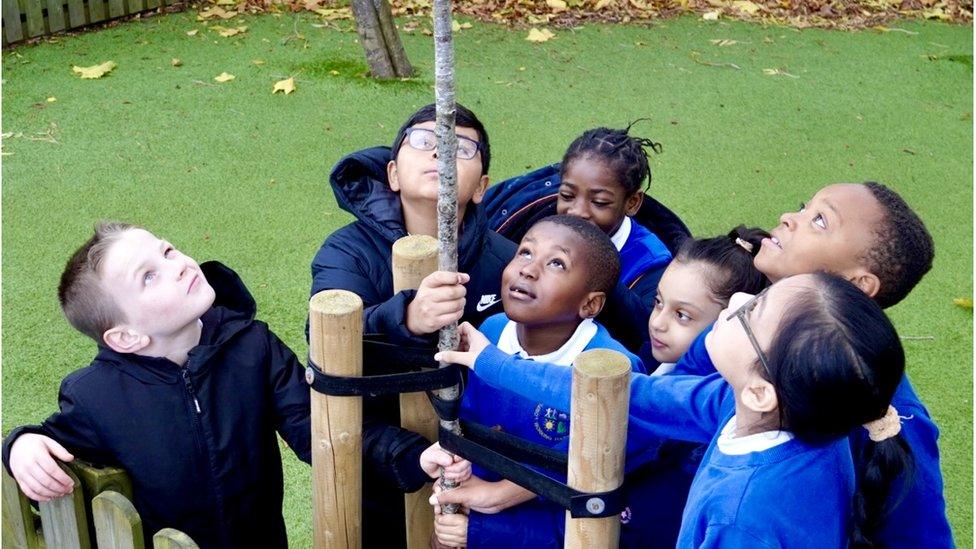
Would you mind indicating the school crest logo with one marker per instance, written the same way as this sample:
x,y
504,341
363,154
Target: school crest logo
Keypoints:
x,y
550,423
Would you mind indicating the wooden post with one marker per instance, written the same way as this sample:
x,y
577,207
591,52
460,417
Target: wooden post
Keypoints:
x,y
597,438
170,538
415,257
336,346
18,528
117,524
64,520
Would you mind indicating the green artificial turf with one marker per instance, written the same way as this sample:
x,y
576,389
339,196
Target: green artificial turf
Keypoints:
x,y
232,172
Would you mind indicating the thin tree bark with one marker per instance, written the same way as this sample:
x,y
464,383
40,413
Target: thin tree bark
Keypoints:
x,y
394,47
447,194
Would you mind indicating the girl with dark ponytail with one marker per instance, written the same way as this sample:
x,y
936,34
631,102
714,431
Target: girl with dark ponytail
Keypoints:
x,y
801,365
695,287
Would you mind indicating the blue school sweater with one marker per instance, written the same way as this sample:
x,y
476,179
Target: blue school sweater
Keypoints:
x,y
643,259
533,420
919,519
793,495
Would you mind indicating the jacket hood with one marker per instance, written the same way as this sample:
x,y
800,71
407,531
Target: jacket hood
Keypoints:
x,y
360,186
233,310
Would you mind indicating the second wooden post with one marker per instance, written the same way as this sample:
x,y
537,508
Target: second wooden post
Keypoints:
x,y
336,346
415,257
597,440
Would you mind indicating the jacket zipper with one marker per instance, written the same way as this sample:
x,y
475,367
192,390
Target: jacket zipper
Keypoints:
x,y
189,388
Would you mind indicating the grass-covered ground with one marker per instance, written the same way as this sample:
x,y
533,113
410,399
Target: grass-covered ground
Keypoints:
x,y
232,172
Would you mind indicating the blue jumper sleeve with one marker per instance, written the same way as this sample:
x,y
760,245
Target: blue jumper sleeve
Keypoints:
x,y
686,408
724,536
696,361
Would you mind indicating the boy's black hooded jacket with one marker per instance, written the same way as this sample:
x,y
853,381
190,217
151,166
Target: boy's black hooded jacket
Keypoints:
x,y
198,441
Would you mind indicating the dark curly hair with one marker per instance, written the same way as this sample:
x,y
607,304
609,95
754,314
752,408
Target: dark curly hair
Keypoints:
x,y
625,154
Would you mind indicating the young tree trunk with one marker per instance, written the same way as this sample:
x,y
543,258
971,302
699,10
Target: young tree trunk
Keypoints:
x,y
381,43
447,195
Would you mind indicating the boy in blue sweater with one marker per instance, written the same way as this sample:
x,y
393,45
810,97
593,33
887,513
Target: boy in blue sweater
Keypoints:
x,y
186,393
552,289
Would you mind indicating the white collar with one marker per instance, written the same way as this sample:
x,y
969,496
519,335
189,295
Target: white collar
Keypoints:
x,y
619,238
731,445
564,356
664,368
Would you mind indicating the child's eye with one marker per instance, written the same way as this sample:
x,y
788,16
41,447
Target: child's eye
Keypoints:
x,y
525,253
558,263
803,206
658,303
820,221
147,279
601,204
168,251
683,316
565,196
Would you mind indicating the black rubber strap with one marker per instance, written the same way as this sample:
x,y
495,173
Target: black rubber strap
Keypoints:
x,y
514,447
407,382
446,410
579,504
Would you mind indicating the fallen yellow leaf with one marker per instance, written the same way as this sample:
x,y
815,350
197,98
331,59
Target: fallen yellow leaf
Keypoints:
x,y
217,12
536,36
192,32
710,16
724,42
556,5
334,14
602,4
224,77
287,85
176,62
455,26
95,71
258,62
964,302
746,7
225,32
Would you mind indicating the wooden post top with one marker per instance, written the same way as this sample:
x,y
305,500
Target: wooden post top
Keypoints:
x,y
335,302
415,246
602,363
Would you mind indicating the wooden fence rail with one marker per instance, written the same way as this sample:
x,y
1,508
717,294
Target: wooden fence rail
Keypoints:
x,y
23,19
97,514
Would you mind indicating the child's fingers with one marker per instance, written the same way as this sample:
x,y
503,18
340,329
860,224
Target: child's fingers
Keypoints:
x,y
58,451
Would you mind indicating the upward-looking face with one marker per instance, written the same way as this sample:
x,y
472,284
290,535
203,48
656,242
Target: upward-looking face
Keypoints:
x,y
683,308
832,233
729,345
547,280
158,289
590,190
413,173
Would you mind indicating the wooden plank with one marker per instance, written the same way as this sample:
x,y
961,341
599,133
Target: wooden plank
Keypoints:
x,y
153,4
12,31
64,520
135,6
96,480
96,10
76,13
55,16
18,519
117,524
169,538
116,8
35,17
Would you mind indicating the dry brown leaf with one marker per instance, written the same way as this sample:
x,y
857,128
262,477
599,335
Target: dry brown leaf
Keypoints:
x,y
710,16
224,77
176,62
335,14
287,86
258,62
746,7
95,71
537,36
557,5
721,42
192,32
963,302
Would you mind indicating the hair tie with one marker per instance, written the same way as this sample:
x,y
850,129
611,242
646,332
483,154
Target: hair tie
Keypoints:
x,y
747,246
885,427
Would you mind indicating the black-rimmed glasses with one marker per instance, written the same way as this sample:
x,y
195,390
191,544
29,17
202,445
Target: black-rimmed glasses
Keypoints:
x,y
741,313
423,139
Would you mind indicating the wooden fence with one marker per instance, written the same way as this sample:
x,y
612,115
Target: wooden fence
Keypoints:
x,y
23,19
97,514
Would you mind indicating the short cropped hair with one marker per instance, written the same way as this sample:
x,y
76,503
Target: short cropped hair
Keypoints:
x,y
599,254
463,118
903,249
84,301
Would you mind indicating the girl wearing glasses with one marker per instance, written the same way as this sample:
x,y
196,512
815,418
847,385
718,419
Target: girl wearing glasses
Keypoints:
x,y
799,366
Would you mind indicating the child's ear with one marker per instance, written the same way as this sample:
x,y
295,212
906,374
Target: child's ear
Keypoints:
x,y
759,395
868,282
633,203
391,176
480,191
592,304
123,339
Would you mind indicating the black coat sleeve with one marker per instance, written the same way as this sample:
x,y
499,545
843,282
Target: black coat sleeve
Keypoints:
x,y
290,397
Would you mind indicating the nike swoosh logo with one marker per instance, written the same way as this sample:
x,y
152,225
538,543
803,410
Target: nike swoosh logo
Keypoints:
x,y
482,307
